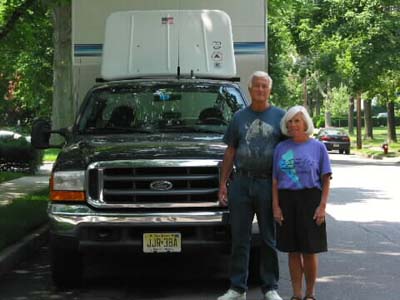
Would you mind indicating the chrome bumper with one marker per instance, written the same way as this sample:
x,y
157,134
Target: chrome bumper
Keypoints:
x,y
66,219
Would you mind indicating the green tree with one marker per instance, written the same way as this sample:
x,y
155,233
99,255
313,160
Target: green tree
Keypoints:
x,y
280,49
25,63
348,41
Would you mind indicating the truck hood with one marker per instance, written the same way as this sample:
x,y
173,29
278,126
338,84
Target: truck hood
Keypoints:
x,y
87,149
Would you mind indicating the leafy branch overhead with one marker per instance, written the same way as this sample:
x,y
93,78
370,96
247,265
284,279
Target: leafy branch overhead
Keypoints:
x,y
10,13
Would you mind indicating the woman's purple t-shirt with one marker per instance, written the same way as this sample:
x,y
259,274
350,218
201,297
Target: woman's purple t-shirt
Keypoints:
x,y
300,165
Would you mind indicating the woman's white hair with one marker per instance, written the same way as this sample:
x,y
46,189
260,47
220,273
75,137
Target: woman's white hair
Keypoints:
x,y
304,114
259,74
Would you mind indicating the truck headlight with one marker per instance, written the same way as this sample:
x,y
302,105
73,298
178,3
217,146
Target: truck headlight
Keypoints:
x,y
67,186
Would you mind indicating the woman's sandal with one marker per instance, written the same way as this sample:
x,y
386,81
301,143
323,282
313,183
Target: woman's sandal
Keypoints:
x,y
295,298
309,298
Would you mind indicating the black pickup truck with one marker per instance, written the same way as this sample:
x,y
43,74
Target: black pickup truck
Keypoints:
x,y
139,170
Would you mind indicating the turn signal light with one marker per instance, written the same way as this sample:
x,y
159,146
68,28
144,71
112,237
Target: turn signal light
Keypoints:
x,y
67,196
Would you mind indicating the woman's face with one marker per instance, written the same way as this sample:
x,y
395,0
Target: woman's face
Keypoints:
x,y
296,126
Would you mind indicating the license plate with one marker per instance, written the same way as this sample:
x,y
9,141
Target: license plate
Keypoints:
x,y
162,242
336,145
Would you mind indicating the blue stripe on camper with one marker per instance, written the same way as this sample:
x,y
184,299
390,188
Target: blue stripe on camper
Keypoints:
x,y
85,50
240,48
249,48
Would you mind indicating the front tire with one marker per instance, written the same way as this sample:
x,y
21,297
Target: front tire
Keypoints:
x,y
66,266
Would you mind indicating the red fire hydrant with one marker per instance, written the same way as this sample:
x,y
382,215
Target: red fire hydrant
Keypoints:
x,y
385,148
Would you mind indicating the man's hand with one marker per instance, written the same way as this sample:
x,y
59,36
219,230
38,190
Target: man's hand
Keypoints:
x,y
223,195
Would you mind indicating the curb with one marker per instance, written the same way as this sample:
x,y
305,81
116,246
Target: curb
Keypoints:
x,y
14,254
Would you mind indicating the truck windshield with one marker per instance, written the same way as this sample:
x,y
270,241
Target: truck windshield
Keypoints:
x,y
149,107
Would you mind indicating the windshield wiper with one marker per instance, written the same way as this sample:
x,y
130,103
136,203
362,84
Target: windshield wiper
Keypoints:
x,y
190,129
95,130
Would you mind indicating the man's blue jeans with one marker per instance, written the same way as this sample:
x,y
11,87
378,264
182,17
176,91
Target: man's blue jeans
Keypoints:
x,y
248,196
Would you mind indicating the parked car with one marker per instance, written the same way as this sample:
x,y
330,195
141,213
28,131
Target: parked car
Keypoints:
x,y
16,152
335,139
7,134
382,115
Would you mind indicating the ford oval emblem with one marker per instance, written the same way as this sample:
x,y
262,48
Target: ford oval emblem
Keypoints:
x,y
161,185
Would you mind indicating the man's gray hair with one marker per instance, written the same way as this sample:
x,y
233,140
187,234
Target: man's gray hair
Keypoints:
x,y
304,114
259,74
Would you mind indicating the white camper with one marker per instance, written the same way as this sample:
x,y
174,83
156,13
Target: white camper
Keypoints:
x,y
248,20
168,43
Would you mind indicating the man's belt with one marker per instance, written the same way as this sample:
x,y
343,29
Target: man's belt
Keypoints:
x,y
254,174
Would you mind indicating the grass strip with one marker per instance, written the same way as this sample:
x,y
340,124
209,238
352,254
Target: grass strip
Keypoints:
x,y
22,216
6,175
50,155
373,147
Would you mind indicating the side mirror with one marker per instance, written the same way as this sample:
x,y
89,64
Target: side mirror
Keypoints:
x,y
41,132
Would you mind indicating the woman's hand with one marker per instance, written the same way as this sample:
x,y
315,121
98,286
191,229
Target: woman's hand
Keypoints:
x,y
319,215
278,216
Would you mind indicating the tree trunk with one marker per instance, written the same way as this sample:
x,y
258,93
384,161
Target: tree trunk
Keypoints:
x,y
359,123
391,122
368,119
305,98
317,105
351,115
63,113
328,119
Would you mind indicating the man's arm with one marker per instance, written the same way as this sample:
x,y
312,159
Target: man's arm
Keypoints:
x,y
226,169
278,216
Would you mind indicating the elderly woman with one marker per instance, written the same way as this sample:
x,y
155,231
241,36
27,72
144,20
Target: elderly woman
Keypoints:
x,y
301,178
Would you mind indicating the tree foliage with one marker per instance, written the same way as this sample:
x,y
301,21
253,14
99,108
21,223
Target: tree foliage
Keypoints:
x,y
321,49
348,48
26,61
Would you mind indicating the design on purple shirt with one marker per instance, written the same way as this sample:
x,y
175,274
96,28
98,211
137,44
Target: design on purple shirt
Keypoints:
x,y
287,165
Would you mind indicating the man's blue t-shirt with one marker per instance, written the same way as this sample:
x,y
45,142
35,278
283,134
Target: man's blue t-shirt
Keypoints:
x,y
254,135
300,165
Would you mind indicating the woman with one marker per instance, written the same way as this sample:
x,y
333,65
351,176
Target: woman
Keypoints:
x,y
301,178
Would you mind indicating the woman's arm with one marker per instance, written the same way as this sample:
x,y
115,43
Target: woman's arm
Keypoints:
x,y
319,215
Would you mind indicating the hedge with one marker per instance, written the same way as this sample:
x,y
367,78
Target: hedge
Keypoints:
x,y
343,122
17,154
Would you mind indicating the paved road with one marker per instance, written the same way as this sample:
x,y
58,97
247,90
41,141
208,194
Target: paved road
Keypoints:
x,y
362,263
364,231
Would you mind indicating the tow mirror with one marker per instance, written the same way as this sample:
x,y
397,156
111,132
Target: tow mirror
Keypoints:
x,y
41,132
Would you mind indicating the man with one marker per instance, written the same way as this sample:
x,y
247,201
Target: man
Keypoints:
x,y
251,138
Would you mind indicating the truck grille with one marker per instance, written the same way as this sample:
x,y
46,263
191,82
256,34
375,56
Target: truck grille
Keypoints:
x,y
154,184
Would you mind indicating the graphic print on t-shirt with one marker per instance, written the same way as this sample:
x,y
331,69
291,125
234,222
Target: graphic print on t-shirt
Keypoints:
x,y
287,165
256,136
256,153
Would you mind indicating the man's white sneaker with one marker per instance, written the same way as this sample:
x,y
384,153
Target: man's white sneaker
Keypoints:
x,y
272,295
233,295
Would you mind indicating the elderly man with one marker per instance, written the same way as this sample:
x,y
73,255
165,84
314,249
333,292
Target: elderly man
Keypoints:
x,y
251,138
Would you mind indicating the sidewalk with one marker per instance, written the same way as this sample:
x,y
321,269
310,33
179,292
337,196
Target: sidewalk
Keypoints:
x,y
22,186
14,189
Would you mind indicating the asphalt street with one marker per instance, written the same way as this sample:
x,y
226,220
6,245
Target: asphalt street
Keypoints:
x,y
362,262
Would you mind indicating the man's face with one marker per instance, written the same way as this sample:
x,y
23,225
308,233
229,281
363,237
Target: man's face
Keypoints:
x,y
259,91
